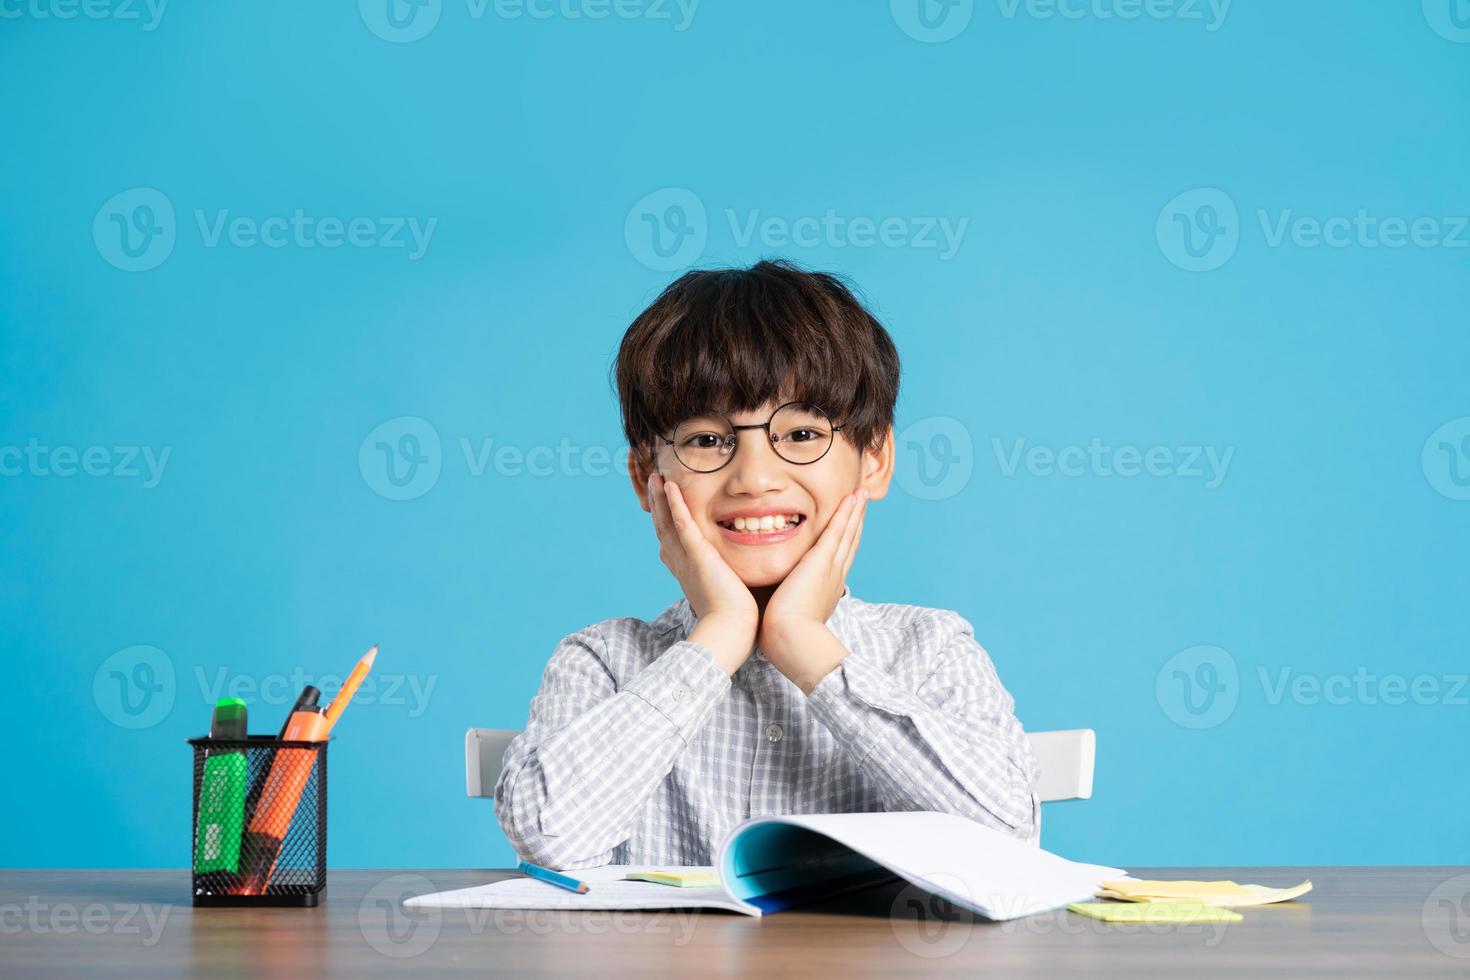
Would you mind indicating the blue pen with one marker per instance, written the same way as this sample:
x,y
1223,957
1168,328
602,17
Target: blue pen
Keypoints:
x,y
551,877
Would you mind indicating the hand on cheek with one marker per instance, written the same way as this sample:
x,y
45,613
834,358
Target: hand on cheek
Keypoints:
x,y
795,617
722,603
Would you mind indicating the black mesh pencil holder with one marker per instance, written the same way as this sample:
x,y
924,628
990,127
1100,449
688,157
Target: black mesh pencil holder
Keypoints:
x,y
260,821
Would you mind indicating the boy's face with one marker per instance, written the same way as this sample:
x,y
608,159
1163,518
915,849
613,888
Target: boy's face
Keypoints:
x,y
756,482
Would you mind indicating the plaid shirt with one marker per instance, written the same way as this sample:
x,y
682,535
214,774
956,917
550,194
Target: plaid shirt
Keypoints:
x,y
640,750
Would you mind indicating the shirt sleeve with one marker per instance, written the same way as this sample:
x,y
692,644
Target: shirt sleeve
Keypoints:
x,y
574,782
950,743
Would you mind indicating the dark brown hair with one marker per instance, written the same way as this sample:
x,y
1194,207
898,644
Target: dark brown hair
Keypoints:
x,y
734,339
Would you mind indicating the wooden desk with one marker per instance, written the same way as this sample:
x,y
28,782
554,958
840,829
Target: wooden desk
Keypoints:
x,y
1357,921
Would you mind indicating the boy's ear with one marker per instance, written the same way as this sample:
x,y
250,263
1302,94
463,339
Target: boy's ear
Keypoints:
x,y
639,470
877,468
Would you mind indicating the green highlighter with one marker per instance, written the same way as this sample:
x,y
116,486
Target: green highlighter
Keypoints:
x,y
222,793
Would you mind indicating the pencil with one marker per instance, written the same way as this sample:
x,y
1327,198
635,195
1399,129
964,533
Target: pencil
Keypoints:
x,y
349,686
551,877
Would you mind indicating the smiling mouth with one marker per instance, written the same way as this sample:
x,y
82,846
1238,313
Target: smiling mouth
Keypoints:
x,y
769,524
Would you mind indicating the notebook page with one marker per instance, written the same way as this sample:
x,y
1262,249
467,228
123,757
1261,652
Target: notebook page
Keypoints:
x,y
969,864
606,890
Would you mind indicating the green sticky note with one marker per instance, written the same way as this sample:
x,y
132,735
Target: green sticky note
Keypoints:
x,y
1155,913
691,878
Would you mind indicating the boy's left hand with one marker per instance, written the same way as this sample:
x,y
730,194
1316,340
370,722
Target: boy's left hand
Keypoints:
x,y
809,594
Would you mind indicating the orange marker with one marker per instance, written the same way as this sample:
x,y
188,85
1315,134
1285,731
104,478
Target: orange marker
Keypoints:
x,y
290,771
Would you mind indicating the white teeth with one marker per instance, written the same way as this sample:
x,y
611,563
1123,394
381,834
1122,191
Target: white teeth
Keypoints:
x,y
767,524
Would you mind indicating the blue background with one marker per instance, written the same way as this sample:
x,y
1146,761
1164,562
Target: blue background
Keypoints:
x,y
266,548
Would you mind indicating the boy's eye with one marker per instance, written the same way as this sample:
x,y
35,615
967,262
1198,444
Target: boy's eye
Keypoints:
x,y
805,435
704,440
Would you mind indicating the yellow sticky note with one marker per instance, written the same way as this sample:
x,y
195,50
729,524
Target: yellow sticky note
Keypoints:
x,y
1155,913
694,878
1221,893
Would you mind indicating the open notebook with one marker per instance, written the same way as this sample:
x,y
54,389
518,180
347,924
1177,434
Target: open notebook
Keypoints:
x,y
771,863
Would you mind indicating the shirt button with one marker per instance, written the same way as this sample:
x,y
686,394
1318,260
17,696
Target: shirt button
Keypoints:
x,y
774,733
680,693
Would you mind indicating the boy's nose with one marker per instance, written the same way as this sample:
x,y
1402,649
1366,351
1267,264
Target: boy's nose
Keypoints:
x,y
756,468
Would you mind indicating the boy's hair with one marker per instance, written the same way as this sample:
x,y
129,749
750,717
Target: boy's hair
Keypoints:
x,y
733,339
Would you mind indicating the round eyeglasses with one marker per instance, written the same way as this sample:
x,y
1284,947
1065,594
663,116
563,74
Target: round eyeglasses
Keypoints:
x,y
799,433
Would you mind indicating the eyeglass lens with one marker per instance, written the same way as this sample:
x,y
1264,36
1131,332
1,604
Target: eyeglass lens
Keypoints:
x,y
799,433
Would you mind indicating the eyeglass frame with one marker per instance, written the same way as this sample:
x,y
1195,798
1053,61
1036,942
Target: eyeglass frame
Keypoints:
x,y
735,431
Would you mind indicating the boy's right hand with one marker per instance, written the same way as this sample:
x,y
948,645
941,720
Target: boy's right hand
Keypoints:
x,y
727,614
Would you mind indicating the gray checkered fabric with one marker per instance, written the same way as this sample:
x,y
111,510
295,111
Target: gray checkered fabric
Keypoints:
x,y
639,749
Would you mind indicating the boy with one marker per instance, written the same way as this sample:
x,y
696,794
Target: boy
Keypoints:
x,y
758,406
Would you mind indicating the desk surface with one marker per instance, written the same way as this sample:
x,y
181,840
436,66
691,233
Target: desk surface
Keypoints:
x,y
1356,921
